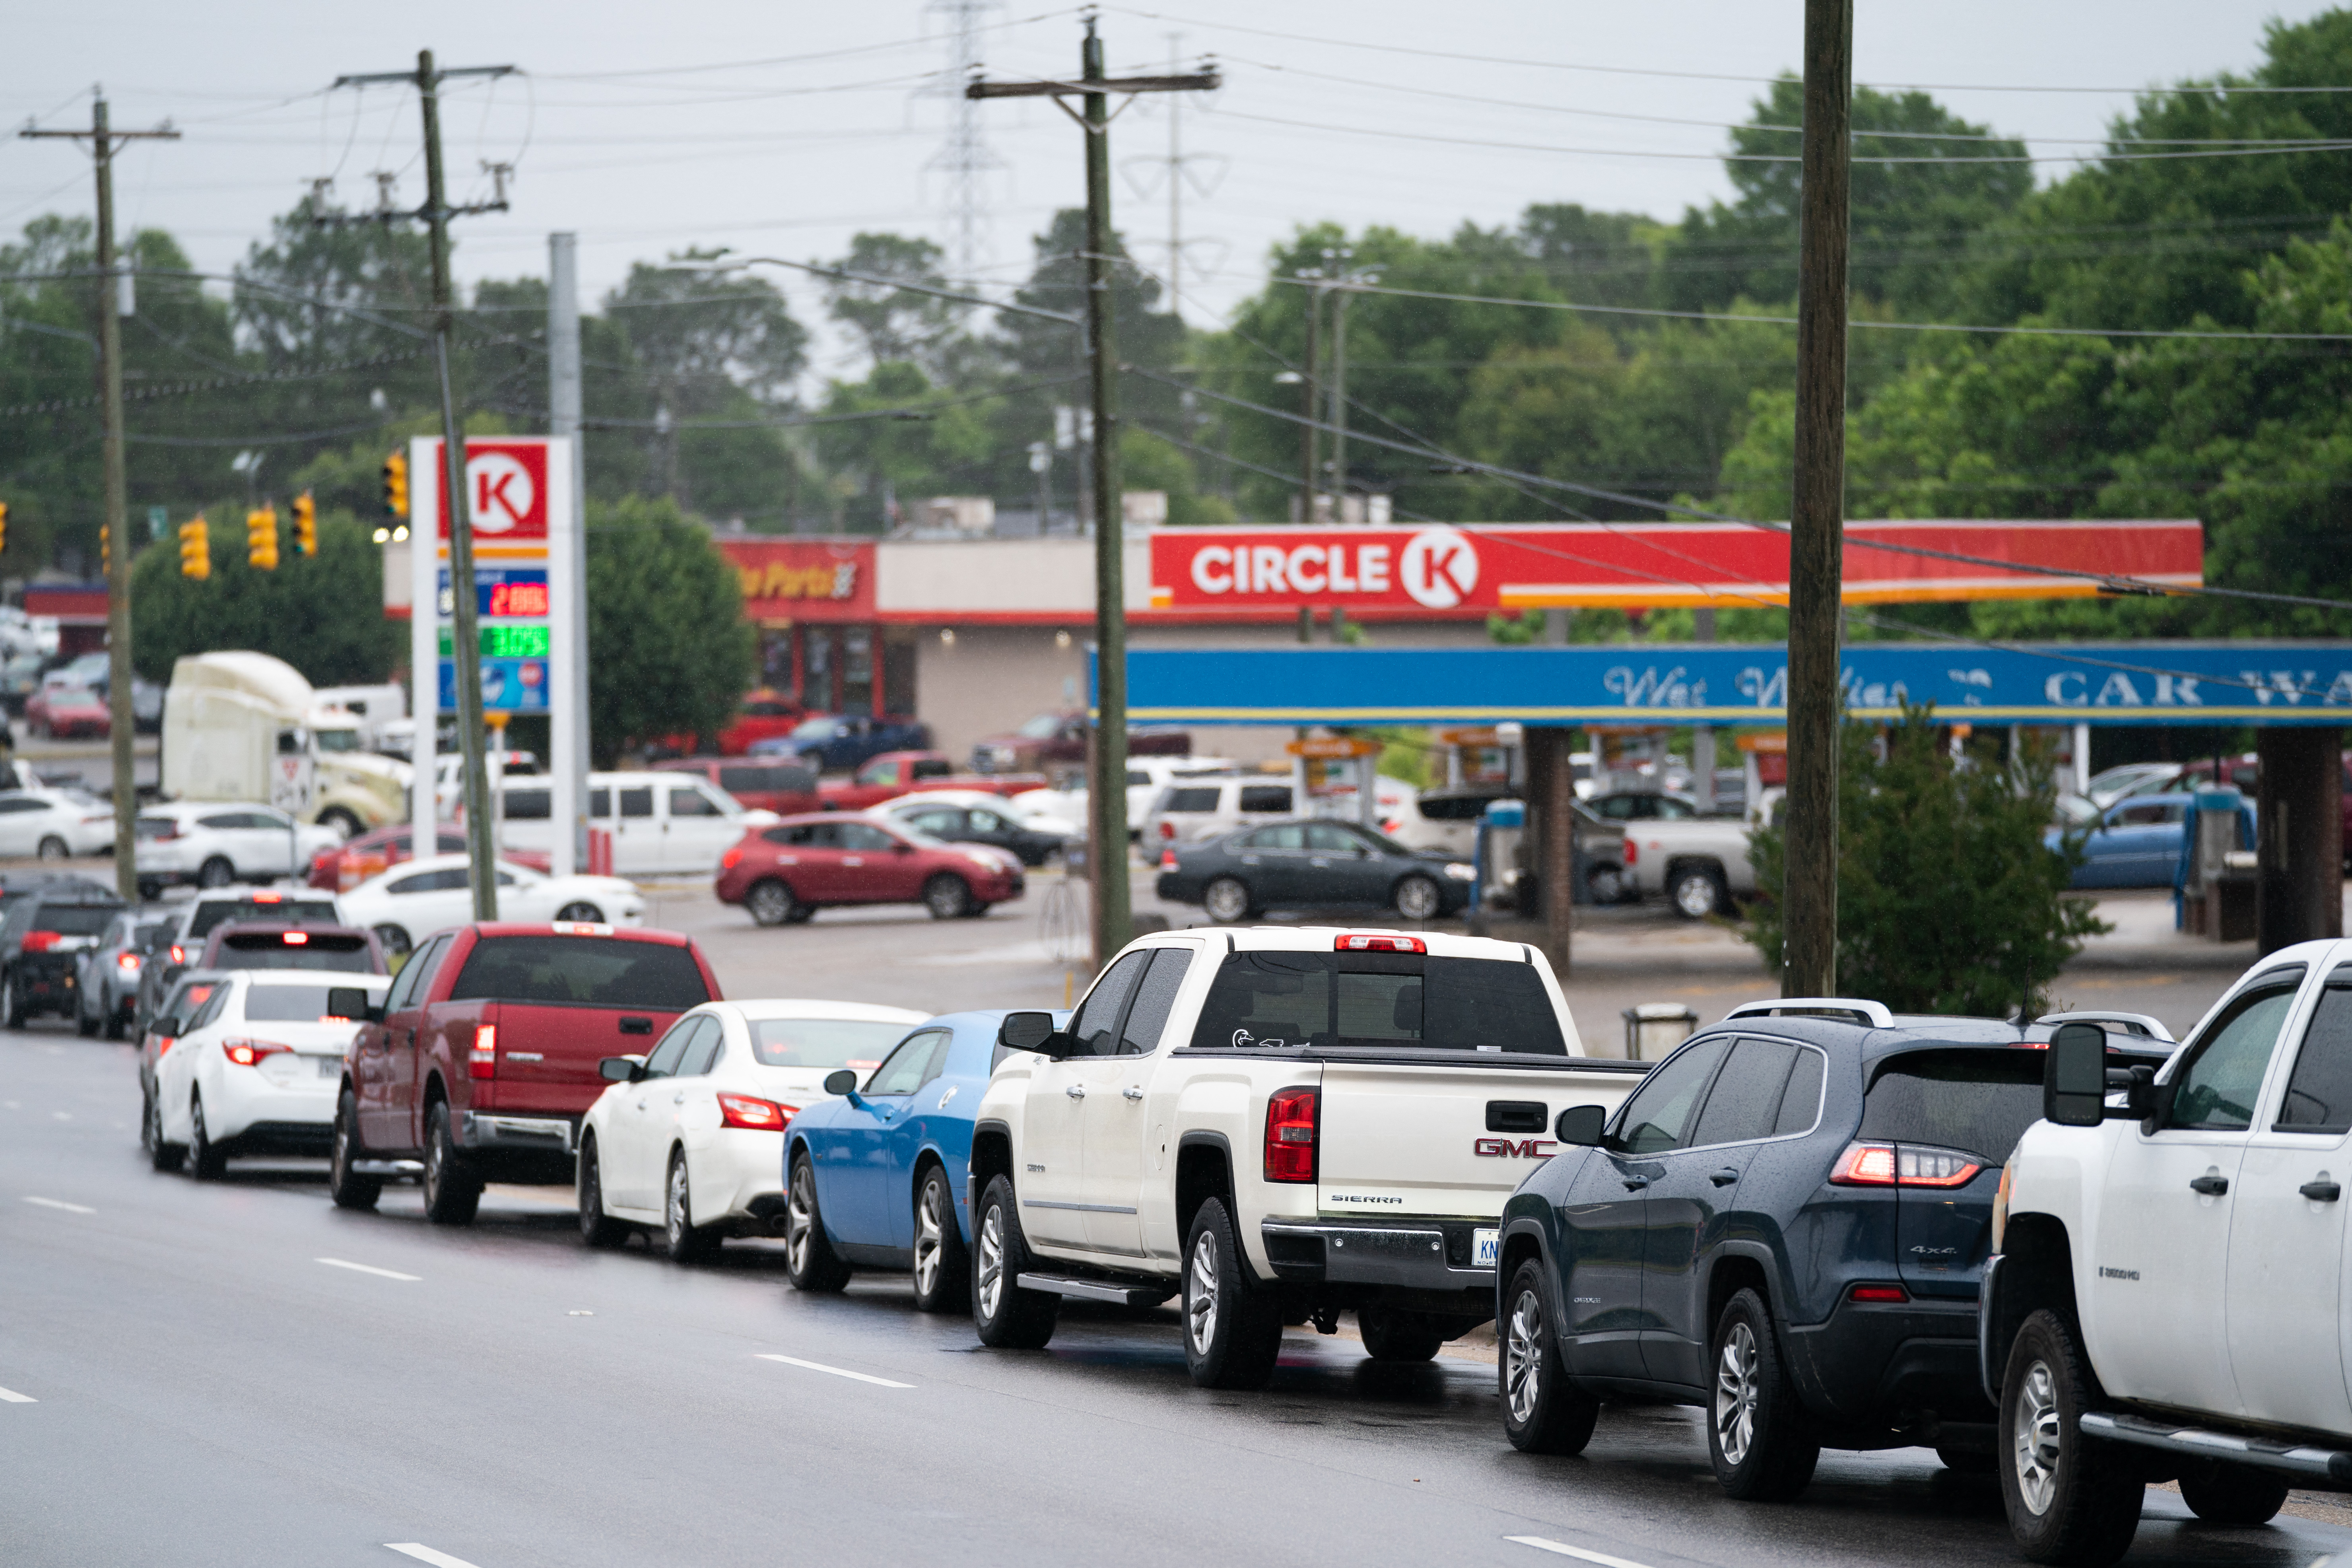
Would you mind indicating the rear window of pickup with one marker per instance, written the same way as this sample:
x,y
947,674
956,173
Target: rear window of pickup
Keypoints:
x,y
1329,1000
581,972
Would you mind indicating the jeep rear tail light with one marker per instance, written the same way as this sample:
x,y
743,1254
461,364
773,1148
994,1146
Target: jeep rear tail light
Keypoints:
x,y
753,1114
1290,1135
1878,1295
249,1053
1900,1165
482,1061
1373,943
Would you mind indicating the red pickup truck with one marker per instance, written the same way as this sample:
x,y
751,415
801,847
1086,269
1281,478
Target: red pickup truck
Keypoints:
x,y
483,1056
894,773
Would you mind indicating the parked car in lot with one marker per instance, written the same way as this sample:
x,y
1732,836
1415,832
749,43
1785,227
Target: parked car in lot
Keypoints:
x,y
185,999
421,898
483,1056
2166,1298
878,1169
209,844
52,823
762,716
1195,809
957,818
106,975
1312,865
1699,863
1281,1124
194,924
1785,1224
836,742
1052,742
784,874
42,939
894,773
354,861
66,713
687,1141
662,824
255,1070
2135,843
780,785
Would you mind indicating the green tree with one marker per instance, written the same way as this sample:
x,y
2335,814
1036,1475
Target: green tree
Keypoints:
x,y
1948,901
669,651
323,613
898,322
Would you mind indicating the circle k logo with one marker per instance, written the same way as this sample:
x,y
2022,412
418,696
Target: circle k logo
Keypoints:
x,y
1439,567
500,494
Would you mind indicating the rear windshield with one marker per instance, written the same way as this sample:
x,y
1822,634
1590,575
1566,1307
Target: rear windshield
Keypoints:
x,y
287,1005
1980,1101
1190,800
75,920
271,950
293,912
1333,999
154,826
823,1042
747,778
581,972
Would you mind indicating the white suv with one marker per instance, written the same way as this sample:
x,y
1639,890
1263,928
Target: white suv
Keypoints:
x,y
1191,811
213,843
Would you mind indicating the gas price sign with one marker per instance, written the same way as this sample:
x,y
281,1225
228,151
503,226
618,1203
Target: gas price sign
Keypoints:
x,y
504,642
517,593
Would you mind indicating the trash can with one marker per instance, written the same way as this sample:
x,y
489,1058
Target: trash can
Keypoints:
x,y
1655,1029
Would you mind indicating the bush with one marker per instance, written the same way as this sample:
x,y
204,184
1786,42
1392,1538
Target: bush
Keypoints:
x,y
1948,901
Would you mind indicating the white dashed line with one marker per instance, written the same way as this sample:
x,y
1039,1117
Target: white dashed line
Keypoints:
x,y
426,1554
61,1204
386,1274
836,1371
1562,1549
10,1396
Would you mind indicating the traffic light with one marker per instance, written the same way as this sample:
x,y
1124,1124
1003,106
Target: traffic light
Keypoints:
x,y
105,551
261,539
306,525
395,484
4,525
195,548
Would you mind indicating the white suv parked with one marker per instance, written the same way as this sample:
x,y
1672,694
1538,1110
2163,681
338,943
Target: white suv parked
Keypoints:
x,y
1191,811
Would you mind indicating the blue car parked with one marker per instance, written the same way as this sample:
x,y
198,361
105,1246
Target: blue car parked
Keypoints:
x,y
875,1178
835,743
2135,843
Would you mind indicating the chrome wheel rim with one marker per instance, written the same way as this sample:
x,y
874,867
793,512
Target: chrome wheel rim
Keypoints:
x,y
1227,901
992,1261
673,1211
433,1165
1523,1363
586,913
340,1160
1695,895
799,1218
1417,900
2034,1439
1736,1393
931,1237
1201,1294
1606,886
771,903
946,898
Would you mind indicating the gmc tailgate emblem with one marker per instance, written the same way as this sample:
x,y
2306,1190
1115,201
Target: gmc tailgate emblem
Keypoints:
x,y
1504,1149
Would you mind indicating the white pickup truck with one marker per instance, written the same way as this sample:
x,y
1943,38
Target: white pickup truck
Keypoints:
x,y
1281,1124
1700,863
2166,1296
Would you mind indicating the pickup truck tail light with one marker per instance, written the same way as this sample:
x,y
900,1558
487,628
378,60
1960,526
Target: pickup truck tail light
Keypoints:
x,y
482,1061
1168,830
1633,851
249,1053
1902,1165
753,1114
1290,1134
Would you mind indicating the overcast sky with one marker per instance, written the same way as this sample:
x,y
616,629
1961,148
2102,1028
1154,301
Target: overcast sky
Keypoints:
x,y
786,128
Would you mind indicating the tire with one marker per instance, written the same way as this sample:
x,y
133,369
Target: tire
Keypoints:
x,y
215,872
947,897
84,1025
2221,1493
151,891
1391,1335
1227,901
53,848
1417,899
1966,1461
810,1261
115,1023
976,910
1696,892
205,1160
771,903
343,820
1759,1437
1606,884
581,911
452,1193
942,1267
163,1156
2069,1501
393,939
13,1013
346,1188
597,1228
682,1240
1541,1414
1233,1328
802,914
1007,1317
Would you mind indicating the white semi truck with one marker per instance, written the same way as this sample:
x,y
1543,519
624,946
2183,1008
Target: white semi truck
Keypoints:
x,y
247,726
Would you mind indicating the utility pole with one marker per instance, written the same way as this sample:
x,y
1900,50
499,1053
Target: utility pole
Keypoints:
x,y
1311,475
568,728
1344,279
1107,786
466,637
112,287
1816,533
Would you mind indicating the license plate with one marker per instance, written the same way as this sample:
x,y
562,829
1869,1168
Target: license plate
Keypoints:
x,y
1485,1247
331,1066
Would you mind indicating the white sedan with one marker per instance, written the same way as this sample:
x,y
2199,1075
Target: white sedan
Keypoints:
x,y
254,1071
54,824
689,1137
416,898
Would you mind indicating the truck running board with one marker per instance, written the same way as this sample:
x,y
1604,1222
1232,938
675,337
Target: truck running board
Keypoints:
x,y
2326,1465
1098,1289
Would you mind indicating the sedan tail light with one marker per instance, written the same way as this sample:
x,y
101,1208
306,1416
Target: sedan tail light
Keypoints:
x,y
733,858
1290,1134
1168,861
482,1061
1902,1165
129,960
249,1053
754,1114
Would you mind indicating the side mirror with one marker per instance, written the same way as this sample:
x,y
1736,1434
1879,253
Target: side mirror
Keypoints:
x,y
2074,1079
1580,1126
841,1081
903,848
620,1070
1027,1032
352,1002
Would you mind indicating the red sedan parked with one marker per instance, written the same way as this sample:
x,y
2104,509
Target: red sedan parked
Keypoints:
x,y
65,711
354,860
787,872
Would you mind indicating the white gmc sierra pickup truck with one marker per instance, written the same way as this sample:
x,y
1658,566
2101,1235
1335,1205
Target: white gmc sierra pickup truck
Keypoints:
x,y
1281,1124
2166,1298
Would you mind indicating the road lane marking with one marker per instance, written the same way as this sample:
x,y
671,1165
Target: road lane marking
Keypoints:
x,y
385,1273
1562,1549
11,1396
836,1371
61,1204
426,1554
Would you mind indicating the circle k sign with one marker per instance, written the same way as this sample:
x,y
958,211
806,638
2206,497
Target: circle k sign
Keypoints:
x,y
506,489
1438,567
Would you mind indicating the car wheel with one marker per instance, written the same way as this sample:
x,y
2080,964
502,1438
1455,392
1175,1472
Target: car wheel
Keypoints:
x,y
810,1261
115,1022
1007,1316
947,897
1697,891
771,903
976,910
151,891
215,872
2220,1493
84,1025
53,848
1417,899
1606,884
1541,1414
393,939
682,1239
1227,901
597,1228
13,1011
1393,1335
1233,1328
1762,1443
580,912
343,820
452,1193
2069,1499
802,914
345,1186
161,1155
942,1272
205,1160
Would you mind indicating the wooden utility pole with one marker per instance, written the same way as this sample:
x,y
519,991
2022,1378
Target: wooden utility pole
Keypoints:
x,y
1106,781
1310,478
1817,527
111,286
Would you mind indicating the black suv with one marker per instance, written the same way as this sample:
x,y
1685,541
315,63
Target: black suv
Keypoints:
x,y
41,941
1784,1225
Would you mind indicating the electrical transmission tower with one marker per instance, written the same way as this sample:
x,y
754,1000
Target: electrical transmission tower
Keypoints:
x,y
965,159
1177,165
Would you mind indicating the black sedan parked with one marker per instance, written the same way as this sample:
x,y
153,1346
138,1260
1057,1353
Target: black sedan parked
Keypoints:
x,y
1312,865
979,825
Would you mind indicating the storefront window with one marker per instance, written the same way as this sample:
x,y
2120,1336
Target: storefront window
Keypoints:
x,y
776,658
858,670
898,676
818,670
